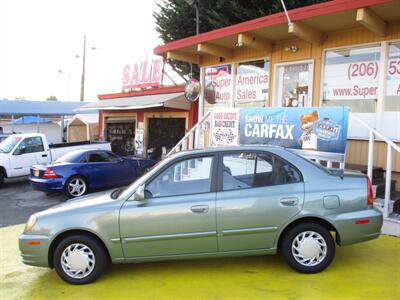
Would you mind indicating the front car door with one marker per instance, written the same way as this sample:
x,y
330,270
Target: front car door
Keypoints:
x,y
258,193
178,214
103,169
30,151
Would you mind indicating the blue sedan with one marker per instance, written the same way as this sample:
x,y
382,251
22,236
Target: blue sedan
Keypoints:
x,y
81,171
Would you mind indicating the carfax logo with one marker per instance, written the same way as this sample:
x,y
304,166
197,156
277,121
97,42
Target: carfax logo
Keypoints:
x,y
327,130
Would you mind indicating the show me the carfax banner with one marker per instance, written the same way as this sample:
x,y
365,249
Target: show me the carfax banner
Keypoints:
x,y
312,128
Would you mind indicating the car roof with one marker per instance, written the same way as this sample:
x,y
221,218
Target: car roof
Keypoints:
x,y
228,148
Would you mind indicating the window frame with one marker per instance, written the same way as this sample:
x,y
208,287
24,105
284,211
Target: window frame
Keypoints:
x,y
363,45
17,148
257,152
234,66
214,173
276,83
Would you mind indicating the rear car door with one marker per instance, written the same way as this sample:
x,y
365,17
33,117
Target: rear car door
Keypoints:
x,y
178,214
29,152
258,193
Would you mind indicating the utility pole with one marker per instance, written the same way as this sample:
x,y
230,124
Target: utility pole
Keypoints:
x,y
83,69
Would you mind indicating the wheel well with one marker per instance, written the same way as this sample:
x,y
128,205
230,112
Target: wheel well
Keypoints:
x,y
77,175
65,234
315,220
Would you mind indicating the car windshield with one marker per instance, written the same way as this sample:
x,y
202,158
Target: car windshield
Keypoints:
x,y
9,143
70,157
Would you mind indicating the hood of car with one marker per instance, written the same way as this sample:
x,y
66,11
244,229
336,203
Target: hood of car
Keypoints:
x,y
80,205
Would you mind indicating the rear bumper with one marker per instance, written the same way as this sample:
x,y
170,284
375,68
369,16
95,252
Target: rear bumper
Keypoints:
x,y
53,185
36,253
358,226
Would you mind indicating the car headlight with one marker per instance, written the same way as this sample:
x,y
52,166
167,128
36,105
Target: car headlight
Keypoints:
x,y
31,222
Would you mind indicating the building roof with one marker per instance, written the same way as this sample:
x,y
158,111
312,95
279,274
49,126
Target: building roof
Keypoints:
x,y
38,108
171,100
309,23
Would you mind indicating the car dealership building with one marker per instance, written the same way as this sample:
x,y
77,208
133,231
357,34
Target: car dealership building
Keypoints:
x,y
337,53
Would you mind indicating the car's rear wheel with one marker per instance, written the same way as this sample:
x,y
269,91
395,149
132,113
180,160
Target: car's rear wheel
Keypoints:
x,y
79,259
308,248
75,186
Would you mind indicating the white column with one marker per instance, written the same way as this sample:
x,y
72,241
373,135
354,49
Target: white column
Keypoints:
x,y
380,107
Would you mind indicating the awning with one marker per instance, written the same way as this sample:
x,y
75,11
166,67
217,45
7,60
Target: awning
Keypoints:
x,y
173,100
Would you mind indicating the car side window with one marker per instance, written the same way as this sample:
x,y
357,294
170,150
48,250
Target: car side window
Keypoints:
x,y
190,176
102,157
250,169
31,145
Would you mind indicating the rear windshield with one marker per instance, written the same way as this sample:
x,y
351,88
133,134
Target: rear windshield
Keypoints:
x,y
70,157
9,143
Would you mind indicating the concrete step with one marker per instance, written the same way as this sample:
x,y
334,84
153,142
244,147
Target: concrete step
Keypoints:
x,y
391,225
380,202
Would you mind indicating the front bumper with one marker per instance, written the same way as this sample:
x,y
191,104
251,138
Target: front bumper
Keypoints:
x,y
358,226
47,185
34,249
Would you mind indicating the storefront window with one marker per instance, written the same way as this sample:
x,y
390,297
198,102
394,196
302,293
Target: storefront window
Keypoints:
x,y
293,85
218,86
392,100
252,80
351,78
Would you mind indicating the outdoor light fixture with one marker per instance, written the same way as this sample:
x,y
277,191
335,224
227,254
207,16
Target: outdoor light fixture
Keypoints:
x,y
292,48
237,45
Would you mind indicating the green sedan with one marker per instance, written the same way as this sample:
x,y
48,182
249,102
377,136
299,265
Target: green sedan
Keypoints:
x,y
236,201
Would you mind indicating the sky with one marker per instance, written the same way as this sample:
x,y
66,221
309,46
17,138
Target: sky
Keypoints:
x,y
39,41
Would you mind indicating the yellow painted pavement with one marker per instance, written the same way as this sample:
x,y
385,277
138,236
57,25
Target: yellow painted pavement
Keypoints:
x,y
368,270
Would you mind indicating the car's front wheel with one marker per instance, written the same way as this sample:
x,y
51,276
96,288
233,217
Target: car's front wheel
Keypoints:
x,y
75,186
308,248
79,259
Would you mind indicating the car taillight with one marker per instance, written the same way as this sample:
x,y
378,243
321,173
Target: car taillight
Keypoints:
x,y
49,173
370,194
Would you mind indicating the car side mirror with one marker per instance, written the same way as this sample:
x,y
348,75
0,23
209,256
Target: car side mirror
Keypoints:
x,y
139,194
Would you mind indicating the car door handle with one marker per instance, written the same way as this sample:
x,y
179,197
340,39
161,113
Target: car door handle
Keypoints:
x,y
289,201
199,209
44,155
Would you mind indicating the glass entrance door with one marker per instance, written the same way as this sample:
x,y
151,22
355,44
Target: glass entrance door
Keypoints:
x,y
293,85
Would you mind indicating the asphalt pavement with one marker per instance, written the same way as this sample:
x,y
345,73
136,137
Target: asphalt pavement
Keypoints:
x,y
18,200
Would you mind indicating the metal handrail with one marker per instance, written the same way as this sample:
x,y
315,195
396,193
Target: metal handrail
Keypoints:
x,y
188,134
391,143
388,176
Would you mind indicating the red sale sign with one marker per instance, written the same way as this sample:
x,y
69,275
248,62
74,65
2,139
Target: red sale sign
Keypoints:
x,y
144,74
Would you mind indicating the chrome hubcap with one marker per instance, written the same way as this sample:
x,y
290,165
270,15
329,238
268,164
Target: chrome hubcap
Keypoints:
x,y
77,261
309,248
77,187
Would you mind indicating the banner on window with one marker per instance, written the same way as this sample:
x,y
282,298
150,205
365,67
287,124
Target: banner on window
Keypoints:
x,y
314,128
225,127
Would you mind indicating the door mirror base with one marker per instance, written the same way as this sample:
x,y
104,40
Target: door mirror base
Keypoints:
x,y
139,194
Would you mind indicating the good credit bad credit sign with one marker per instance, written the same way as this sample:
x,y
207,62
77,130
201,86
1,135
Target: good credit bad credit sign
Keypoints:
x,y
314,128
225,127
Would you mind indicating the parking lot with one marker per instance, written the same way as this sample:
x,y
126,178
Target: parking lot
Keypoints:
x,y
363,271
18,201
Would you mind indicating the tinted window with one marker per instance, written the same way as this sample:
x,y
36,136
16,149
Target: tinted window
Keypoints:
x,y
71,157
190,176
30,145
245,170
102,157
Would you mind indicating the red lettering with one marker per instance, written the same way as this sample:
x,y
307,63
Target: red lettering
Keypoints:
x,y
145,74
135,75
125,78
156,70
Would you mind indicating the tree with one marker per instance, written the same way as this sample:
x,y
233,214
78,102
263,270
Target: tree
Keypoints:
x,y
52,98
175,19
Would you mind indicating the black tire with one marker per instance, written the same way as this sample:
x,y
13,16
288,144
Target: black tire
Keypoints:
x,y
99,255
70,180
312,232
2,175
